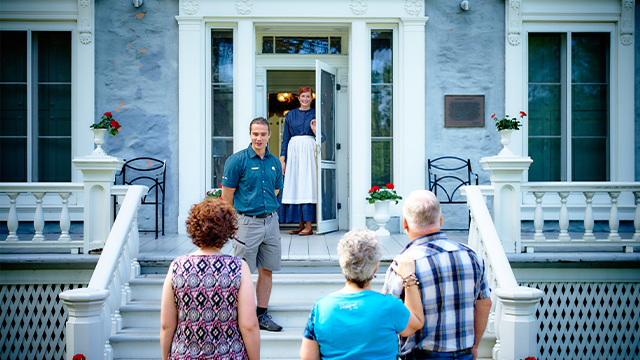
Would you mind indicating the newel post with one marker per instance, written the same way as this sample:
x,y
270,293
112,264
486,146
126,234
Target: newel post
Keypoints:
x,y
518,325
505,173
98,173
85,327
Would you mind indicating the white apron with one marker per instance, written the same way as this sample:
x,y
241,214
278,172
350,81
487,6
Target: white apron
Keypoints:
x,y
300,176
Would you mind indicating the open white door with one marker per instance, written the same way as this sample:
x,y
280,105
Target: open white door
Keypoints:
x,y
327,207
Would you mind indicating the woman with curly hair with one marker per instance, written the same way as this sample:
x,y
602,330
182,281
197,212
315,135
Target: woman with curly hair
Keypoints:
x,y
208,307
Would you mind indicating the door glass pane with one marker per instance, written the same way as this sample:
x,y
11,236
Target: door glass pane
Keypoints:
x,y
13,52
544,58
589,110
221,56
546,154
13,160
328,124
381,56
13,110
381,151
329,200
222,109
222,149
54,110
589,159
54,56
54,160
381,110
589,57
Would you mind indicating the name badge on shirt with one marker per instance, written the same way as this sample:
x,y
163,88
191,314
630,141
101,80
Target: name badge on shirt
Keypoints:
x,y
255,168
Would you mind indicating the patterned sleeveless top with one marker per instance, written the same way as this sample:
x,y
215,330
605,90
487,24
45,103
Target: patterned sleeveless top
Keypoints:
x,y
205,289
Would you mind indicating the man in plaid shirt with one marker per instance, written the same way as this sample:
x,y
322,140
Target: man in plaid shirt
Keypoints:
x,y
454,287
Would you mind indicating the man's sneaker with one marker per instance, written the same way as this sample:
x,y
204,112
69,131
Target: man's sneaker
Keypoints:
x,y
266,323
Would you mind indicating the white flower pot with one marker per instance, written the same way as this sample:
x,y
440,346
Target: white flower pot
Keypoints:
x,y
98,139
505,139
381,216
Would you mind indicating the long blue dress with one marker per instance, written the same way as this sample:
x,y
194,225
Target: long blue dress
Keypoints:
x,y
297,123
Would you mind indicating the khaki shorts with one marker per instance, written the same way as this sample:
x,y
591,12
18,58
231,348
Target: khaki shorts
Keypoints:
x,y
259,242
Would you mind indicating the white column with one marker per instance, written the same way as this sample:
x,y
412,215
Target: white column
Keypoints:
x,y
98,173
359,122
244,109
410,139
505,173
191,122
622,155
85,327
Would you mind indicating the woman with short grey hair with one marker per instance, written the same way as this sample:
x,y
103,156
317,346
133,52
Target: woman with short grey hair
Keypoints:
x,y
356,322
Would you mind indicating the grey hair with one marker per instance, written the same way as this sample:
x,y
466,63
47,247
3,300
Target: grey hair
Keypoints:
x,y
261,121
359,252
421,209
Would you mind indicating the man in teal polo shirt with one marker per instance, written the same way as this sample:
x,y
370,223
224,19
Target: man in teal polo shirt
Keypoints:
x,y
251,182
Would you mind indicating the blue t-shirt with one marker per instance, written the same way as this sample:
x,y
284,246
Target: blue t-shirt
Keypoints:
x,y
255,181
362,325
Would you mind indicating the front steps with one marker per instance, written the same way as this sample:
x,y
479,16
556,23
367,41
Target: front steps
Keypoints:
x,y
295,289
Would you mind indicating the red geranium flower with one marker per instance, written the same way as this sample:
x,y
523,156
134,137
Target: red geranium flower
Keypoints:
x,y
529,357
115,125
374,189
107,114
79,357
390,186
522,113
492,116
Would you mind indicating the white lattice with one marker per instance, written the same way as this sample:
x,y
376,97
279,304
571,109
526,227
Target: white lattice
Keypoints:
x,y
32,321
589,320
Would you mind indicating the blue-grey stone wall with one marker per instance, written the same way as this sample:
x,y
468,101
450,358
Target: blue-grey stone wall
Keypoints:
x,y
637,95
464,56
137,81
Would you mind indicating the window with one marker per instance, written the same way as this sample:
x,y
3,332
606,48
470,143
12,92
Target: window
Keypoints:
x,y
301,45
381,107
222,102
35,106
568,95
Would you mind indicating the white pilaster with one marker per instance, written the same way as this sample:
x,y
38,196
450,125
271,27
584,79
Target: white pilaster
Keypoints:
x,y
410,139
191,117
360,122
244,109
518,326
622,155
85,327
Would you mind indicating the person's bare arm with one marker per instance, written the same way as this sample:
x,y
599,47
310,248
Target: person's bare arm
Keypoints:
x,y
247,319
480,317
282,162
310,350
227,194
404,265
168,316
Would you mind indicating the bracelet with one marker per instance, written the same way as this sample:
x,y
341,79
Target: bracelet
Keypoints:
x,y
410,280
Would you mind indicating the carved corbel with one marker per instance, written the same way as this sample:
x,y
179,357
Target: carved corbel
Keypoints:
x,y
514,22
85,18
627,22
260,78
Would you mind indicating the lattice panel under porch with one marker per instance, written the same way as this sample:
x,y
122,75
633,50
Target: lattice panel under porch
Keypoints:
x,y
588,320
32,321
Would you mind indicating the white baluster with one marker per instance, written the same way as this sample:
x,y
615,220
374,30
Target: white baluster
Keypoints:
x,y
38,218
113,306
588,217
117,286
108,350
124,268
135,248
538,217
636,218
12,220
564,217
614,219
65,221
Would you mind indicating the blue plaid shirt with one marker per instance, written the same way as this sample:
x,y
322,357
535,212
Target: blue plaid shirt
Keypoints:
x,y
452,277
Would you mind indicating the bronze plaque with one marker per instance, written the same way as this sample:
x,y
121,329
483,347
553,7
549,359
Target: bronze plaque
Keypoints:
x,y
464,111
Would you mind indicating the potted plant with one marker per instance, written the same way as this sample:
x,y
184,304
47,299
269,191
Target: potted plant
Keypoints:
x,y
505,126
213,193
107,123
381,197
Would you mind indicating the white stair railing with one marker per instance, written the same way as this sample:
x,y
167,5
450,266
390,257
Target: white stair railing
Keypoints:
x,y
94,312
589,190
512,318
39,190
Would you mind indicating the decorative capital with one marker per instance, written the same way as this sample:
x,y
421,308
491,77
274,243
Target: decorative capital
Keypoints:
x,y
85,33
358,7
244,7
189,7
413,7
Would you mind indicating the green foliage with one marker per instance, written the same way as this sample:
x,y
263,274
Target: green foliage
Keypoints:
x,y
383,193
107,122
507,123
214,193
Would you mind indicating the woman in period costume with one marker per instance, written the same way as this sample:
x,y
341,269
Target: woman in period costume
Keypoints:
x,y
298,159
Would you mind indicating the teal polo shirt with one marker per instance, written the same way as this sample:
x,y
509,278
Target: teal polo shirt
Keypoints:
x,y
255,181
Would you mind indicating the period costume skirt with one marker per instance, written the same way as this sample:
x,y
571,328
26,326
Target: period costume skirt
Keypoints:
x,y
299,196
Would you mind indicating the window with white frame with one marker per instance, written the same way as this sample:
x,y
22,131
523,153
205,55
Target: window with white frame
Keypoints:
x,y
35,106
569,95
381,107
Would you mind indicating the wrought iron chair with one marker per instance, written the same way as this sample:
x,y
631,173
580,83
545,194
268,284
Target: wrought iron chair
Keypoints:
x,y
149,172
457,173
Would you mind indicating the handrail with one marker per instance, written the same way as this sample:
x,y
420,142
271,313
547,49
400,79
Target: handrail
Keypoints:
x,y
581,186
41,186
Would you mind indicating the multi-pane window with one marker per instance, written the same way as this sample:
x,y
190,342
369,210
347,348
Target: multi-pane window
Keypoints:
x,y
35,106
221,102
569,106
381,107
301,45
